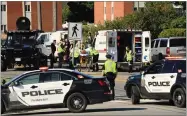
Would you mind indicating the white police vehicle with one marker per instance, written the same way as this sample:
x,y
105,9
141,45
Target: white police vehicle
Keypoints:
x,y
165,79
48,88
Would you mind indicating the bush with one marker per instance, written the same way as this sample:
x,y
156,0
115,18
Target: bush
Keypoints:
x,y
174,32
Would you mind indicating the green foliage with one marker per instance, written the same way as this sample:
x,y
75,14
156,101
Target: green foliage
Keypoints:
x,y
81,11
174,32
179,22
65,13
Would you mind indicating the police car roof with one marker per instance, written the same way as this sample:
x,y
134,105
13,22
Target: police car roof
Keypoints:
x,y
56,69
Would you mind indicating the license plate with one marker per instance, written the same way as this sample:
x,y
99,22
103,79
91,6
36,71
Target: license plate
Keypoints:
x,y
17,59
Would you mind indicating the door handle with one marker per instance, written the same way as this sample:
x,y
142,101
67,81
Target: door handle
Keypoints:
x,y
33,87
153,77
65,84
171,76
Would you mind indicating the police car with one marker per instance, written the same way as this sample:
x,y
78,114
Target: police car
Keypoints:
x,y
165,79
48,88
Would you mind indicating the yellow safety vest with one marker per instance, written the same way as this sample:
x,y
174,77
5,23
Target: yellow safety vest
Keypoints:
x,y
129,55
110,66
76,53
94,52
60,49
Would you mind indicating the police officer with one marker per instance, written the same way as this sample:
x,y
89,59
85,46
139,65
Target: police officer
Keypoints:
x,y
76,55
110,71
53,49
95,54
60,50
129,58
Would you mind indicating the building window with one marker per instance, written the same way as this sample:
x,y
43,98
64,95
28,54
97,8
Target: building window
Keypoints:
x,y
135,8
3,7
27,8
3,27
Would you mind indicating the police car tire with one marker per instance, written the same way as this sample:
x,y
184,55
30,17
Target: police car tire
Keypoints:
x,y
135,96
183,104
84,100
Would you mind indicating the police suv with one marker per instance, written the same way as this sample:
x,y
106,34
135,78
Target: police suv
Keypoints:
x,y
165,79
48,88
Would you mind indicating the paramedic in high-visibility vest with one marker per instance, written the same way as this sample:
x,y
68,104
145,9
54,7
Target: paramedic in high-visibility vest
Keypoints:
x,y
110,71
76,55
129,58
95,55
61,51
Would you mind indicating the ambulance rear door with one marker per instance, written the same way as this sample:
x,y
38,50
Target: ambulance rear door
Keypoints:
x,y
146,46
112,44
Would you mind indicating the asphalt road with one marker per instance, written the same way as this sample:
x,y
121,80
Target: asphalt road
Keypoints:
x,y
120,106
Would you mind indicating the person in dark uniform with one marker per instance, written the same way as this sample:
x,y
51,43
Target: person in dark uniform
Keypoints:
x,y
53,49
110,71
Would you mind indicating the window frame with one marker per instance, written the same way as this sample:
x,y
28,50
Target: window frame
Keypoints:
x,y
156,43
24,76
3,7
3,27
27,8
163,40
161,62
73,78
43,80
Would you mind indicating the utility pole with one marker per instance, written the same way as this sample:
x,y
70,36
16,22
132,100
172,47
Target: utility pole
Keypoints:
x,y
54,16
39,15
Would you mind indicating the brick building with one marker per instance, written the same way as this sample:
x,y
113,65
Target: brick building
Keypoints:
x,y
110,10
11,10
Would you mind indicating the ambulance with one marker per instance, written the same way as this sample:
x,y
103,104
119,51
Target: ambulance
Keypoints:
x,y
114,42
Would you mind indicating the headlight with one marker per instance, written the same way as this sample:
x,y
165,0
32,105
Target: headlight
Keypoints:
x,y
130,78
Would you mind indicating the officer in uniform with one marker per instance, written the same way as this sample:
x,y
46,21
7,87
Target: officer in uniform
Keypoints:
x,y
61,51
129,58
110,71
95,55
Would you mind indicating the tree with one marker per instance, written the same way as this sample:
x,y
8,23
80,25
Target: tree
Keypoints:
x,y
65,13
174,32
81,11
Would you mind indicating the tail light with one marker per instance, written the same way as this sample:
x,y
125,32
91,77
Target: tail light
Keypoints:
x,y
105,49
101,83
167,51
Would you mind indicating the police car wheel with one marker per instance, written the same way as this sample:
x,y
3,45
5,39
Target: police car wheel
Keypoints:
x,y
179,98
77,102
135,97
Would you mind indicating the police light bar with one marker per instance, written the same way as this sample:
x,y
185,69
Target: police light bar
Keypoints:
x,y
43,69
173,57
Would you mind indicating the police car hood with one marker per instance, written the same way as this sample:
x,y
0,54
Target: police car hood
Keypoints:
x,y
135,76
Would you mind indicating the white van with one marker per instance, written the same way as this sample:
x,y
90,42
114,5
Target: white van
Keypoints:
x,y
48,38
115,42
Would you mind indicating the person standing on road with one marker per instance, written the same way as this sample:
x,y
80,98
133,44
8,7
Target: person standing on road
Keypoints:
x,y
110,71
129,58
95,55
67,51
53,49
60,54
76,55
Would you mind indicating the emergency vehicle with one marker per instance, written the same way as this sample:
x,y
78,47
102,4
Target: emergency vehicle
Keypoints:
x,y
164,79
48,88
114,42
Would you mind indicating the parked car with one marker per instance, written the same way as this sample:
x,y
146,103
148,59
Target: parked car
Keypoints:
x,y
168,47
